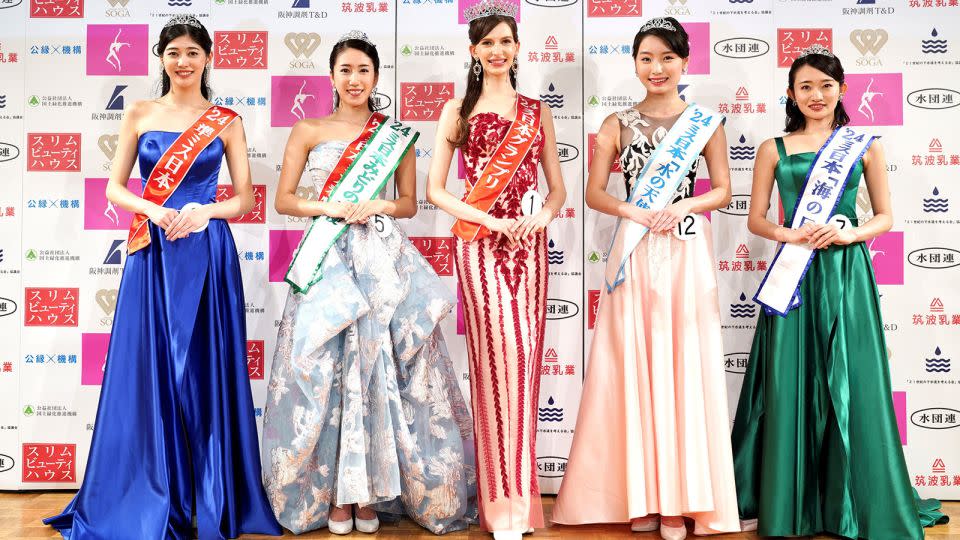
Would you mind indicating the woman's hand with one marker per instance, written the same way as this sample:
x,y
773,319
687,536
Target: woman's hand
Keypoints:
x,y
336,210
639,215
364,209
502,226
669,217
826,235
160,216
527,225
189,221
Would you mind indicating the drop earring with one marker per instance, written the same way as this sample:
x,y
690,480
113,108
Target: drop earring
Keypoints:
x,y
477,68
515,67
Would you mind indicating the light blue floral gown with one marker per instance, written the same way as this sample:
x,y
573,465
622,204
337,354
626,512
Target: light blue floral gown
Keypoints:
x,y
363,404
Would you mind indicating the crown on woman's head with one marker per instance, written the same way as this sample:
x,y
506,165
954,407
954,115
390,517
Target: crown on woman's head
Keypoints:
x,y
489,8
358,35
188,20
658,22
816,48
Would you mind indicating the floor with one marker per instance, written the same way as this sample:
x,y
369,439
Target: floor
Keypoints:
x,y
20,514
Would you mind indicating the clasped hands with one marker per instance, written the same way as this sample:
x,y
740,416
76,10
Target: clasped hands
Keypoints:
x,y
517,231
177,225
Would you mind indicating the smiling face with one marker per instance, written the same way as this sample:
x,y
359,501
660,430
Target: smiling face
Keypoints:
x,y
354,77
496,50
815,92
184,61
658,67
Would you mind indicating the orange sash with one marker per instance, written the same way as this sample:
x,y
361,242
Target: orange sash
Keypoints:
x,y
350,153
173,166
498,173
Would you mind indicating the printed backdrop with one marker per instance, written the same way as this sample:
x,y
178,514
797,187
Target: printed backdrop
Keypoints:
x,y
68,67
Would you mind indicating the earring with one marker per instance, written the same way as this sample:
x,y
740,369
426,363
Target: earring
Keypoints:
x,y
841,97
477,68
515,67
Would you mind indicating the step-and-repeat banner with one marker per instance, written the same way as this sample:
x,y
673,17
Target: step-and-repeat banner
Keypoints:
x,y
68,67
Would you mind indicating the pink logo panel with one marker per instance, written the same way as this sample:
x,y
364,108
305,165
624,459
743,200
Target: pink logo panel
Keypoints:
x,y
282,245
99,213
294,98
93,358
874,99
886,251
699,33
117,49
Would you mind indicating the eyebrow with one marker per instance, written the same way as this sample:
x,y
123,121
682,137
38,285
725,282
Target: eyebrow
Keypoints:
x,y
351,65
821,80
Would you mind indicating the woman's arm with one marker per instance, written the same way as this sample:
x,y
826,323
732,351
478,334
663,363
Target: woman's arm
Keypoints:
x,y
405,205
596,196
763,176
295,154
556,191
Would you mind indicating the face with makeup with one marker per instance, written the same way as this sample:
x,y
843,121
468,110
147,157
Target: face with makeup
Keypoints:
x,y
815,92
184,61
496,50
354,77
658,67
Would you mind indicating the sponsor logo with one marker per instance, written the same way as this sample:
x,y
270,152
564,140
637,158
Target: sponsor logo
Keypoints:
x,y
886,252
791,41
6,462
934,258
115,253
736,362
743,309
56,9
869,42
8,152
302,45
106,299
255,359
551,466
108,145
282,245
935,418
552,98
561,309
257,214
115,103
240,50
53,152
50,306
934,98
936,204
93,356
7,307
9,4
117,49
438,251
550,413
118,8
567,152
614,8
933,45
741,47
593,303
101,214
49,462
554,254
423,101
739,205
743,151
937,364
900,411
294,98
875,99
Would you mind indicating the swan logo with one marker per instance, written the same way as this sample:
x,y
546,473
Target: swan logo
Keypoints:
x,y
937,364
550,413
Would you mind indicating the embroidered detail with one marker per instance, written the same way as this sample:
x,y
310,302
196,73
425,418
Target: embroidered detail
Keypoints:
x,y
644,140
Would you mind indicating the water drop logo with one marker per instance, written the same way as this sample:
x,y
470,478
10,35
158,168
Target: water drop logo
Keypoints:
x,y
743,309
936,203
934,45
554,255
550,413
938,364
552,98
744,151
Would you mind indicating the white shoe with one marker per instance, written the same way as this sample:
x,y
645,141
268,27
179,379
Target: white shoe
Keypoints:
x,y
340,527
747,525
673,533
644,524
507,535
528,531
368,526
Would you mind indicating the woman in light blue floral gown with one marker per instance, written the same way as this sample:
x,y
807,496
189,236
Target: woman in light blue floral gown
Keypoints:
x,y
363,409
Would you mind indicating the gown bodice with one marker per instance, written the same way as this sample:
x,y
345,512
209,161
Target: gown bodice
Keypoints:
x,y
200,184
640,135
321,160
791,171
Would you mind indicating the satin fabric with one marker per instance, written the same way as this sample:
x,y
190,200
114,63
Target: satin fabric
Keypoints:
x,y
175,431
815,438
504,306
363,404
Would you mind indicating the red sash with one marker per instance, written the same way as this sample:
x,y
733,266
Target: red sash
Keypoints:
x,y
350,153
174,165
498,173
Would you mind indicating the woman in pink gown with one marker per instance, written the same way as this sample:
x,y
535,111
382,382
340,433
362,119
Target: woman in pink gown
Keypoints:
x,y
501,257
653,434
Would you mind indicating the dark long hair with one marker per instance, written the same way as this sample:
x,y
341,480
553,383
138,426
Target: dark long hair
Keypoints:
x,y
365,48
200,36
832,67
677,41
478,29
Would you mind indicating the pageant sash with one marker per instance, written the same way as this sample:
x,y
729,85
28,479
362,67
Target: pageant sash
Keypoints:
x,y
780,289
173,166
369,166
498,173
350,153
658,182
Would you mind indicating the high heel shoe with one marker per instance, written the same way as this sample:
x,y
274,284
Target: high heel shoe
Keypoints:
x,y
368,526
645,524
340,527
673,533
747,525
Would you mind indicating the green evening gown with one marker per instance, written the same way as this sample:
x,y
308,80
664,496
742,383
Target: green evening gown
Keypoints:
x,y
815,440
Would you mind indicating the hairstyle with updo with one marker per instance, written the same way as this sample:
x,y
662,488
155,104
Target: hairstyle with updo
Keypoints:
x,y
832,67
366,49
479,28
200,36
677,40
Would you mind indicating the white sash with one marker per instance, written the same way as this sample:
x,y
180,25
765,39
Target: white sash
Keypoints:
x,y
780,289
658,181
363,181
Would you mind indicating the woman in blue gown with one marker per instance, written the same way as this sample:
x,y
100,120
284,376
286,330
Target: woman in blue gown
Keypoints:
x,y
175,435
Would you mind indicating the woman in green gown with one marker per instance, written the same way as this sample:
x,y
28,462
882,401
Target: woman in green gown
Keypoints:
x,y
815,440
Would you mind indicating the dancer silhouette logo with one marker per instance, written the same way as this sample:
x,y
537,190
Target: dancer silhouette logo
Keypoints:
x,y
886,252
874,99
93,358
117,49
294,98
101,214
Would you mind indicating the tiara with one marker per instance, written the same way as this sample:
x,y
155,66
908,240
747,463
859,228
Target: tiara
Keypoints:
x,y
816,48
189,20
358,35
658,22
489,8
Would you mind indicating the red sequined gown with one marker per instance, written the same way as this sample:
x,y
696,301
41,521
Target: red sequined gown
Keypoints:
x,y
504,305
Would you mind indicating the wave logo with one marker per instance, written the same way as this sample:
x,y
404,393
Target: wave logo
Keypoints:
x,y
550,413
934,45
936,203
552,97
744,151
743,309
938,364
3,101
554,255
179,3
